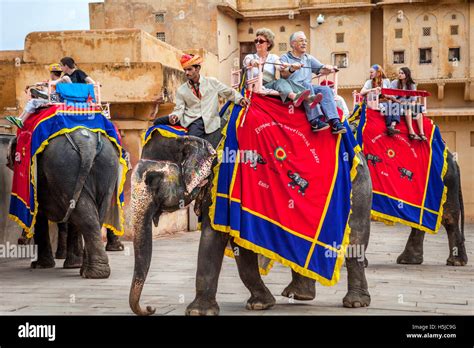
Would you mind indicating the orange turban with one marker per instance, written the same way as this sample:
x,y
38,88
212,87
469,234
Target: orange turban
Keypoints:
x,y
188,60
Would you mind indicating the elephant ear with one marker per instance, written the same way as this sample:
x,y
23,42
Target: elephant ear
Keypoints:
x,y
198,155
153,179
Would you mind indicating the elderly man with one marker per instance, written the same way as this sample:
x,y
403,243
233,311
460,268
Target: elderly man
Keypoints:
x,y
302,65
197,106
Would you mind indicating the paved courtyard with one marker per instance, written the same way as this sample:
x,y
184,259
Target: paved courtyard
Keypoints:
x,y
431,288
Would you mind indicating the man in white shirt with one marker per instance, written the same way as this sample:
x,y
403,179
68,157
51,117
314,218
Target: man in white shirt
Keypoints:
x,y
197,103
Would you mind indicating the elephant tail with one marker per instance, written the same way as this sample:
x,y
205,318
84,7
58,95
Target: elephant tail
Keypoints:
x,y
87,157
461,202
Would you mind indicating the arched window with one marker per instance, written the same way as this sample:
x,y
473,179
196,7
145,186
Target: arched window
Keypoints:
x,y
425,18
282,29
250,30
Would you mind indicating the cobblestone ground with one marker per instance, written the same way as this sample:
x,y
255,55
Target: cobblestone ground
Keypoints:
x,y
431,288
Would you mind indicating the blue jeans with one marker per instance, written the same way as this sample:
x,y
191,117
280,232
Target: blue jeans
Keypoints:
x,y
328,104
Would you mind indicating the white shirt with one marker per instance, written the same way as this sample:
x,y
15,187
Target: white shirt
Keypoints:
x,y
385,84
268,69
189,107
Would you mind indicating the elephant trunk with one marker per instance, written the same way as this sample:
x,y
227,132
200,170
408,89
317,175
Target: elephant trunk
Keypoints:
x,y
143,210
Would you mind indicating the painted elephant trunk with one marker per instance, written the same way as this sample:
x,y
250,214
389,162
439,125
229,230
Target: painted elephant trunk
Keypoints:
x,y
142,216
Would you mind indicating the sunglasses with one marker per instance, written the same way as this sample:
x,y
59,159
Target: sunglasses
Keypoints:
x,y
259,41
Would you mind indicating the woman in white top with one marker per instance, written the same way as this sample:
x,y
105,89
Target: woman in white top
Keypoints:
x,y
377,81
289,90
408,107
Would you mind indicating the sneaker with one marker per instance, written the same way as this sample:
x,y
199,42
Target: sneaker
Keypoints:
x,y
319,125
300,98
38,94
15,121
315,100
338,128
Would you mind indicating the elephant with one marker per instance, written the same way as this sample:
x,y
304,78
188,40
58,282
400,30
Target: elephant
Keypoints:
x,y
77,175
157,175
452,220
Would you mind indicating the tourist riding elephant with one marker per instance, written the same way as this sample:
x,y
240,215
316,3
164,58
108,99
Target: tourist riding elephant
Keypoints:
x,y
76,177
169,169
453,216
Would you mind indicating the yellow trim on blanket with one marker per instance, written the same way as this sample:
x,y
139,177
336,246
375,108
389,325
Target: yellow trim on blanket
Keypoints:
x,y
21,199
268,253
403,201
29,230
163,132
326,205
387,219
428,174
263,271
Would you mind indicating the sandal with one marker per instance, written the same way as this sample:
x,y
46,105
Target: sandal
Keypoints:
x,y
413,137
423,137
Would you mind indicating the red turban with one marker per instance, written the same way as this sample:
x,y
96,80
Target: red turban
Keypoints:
x,y
188,60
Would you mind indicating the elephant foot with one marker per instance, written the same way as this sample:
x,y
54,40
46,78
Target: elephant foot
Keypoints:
x,y
95,271
298,292
116,245
406,258
202,307
260,302
43,263
73,262
356,299
456,261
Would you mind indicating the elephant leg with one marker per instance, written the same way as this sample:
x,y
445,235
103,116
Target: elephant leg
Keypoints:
x,y
75,248
358,293
301,288
247,264
413,253
113,242
457,250
211,253
453,213
357,288
61,251
85,220
41,237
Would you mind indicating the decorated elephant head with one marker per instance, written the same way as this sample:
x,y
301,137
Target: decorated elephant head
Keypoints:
x,y
169,176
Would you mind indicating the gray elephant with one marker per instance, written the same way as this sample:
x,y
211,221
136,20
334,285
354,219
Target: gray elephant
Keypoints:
x,y
82,168
159,182
453,221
